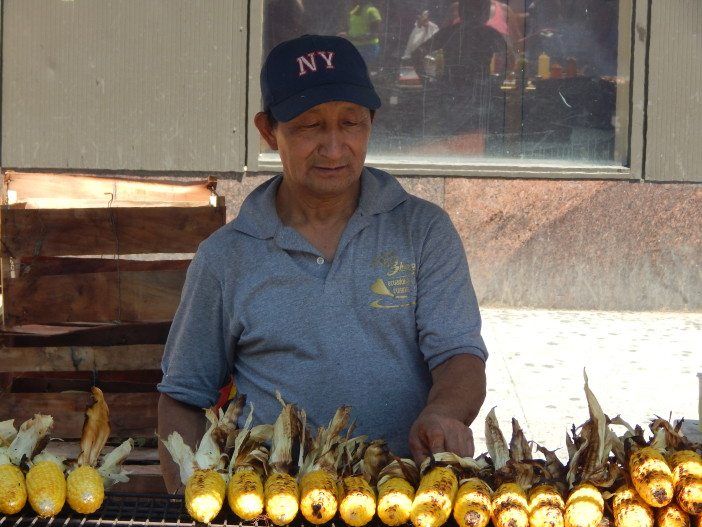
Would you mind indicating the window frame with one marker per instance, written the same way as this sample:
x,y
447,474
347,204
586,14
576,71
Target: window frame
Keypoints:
x,y
632,60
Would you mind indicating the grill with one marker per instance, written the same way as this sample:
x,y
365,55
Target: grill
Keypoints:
x,y
123,510
143,510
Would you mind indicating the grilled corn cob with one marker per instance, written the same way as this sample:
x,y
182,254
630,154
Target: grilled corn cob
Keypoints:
x,y
396,491
473,503
509,506
18,448
433,502
245,488
319,484
630,510
545,507
672,515
203,472
85,484
358,502
584,506
361,465
46,485
651,476
687,480
280,490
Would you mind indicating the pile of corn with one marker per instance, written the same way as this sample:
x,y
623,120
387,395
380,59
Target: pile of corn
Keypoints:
x,y
283,470
30,473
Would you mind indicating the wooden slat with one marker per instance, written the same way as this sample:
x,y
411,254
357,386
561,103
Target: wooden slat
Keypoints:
x,y
71,449
131,414
50,265
81,358
84,187
39,336
94,297
128,230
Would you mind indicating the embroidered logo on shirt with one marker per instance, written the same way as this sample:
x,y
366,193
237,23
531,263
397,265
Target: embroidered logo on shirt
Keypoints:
x,y
397,285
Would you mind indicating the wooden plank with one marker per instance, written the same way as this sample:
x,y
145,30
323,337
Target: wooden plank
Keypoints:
x,y
131,414
28,186
128,230
70,450
94,297
81,358
35,335
53,265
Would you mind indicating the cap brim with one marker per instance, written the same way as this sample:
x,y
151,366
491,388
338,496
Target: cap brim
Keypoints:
x,y
303,101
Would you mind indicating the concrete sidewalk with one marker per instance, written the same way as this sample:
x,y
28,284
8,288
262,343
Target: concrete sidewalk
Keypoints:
x,y
639,365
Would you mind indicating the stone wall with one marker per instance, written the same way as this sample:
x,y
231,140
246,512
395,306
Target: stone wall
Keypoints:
x,y
592,245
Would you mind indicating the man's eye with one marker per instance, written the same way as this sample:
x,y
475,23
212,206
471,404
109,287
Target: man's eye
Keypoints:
x,y
310,125
351,123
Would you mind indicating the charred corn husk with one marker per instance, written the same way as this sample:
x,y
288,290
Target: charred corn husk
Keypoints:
x,y
651,476
319,483
672,515
203,472
687,480
509,506
280,490
545,507
473,503
433,502
46,485
584,507
396,485
630,510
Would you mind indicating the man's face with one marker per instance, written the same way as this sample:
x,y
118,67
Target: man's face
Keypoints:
x,y
322,149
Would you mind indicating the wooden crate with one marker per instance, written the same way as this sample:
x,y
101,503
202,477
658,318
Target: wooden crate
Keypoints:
x,y
92,269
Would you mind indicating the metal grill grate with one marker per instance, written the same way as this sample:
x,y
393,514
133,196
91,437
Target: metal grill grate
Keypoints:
x,y
125,510
142,510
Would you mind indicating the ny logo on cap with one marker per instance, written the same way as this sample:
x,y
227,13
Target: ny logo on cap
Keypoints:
x,y
308,62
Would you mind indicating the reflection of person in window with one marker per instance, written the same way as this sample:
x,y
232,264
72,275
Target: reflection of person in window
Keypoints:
x,y
364,31
423,30
283,21
467,49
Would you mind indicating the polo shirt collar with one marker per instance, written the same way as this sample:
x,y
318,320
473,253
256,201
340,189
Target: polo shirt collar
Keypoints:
x,y
258,217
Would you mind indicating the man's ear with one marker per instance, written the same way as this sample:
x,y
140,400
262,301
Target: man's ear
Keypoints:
x,y
266,130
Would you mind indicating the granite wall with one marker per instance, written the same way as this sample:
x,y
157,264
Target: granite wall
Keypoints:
x,y
600,245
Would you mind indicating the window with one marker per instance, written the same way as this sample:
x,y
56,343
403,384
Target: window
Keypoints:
x,y
483,83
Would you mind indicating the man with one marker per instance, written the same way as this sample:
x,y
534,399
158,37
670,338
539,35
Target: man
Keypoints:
x,y
333,285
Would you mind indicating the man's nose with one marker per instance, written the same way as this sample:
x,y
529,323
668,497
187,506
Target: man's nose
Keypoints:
x,y
332,146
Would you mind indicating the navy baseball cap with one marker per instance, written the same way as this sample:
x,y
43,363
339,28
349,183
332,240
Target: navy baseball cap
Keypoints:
x,y
313,69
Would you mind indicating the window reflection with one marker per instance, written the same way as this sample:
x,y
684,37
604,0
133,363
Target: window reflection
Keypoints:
x,y
485,79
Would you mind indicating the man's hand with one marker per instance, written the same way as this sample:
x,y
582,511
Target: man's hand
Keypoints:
x,y
432,433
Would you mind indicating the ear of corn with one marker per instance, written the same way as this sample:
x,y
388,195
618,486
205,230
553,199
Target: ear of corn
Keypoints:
x,y
672,516
318,496
358,502
204,495
85,490
395,497
245,494
282,497
584,507
509,506
545,507
630,510
46,487
473,503
433,502
687,480
13,490
651,476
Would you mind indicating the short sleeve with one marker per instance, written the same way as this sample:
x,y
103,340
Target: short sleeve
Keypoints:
x,y
447,314
373,14
198,355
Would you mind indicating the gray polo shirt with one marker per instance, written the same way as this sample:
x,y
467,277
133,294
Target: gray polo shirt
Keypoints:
x,y
364,329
